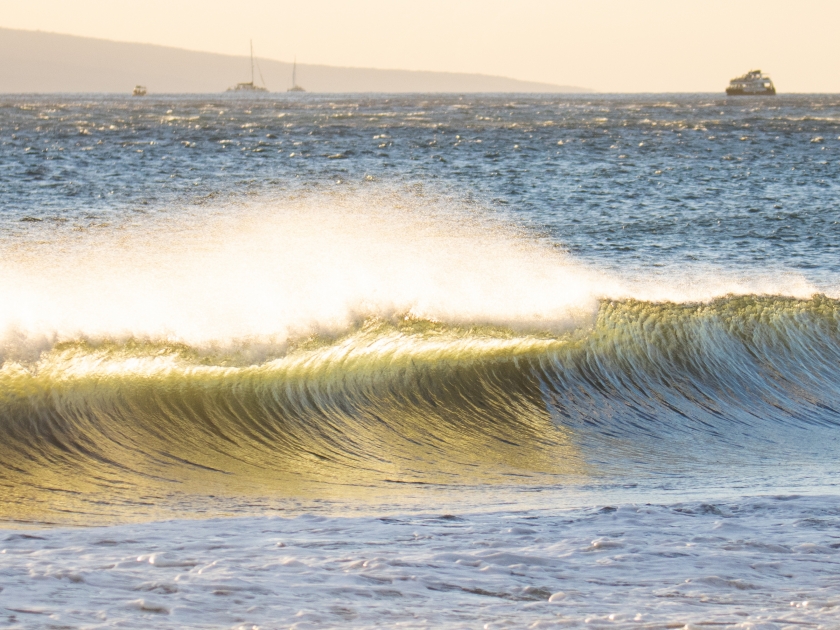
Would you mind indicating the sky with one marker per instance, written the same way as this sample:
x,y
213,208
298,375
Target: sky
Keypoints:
x,y
606,45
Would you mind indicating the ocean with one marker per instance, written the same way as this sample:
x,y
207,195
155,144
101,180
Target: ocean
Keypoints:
x,y
419,361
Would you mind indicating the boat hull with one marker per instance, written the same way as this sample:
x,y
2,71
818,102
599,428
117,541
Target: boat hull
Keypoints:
x,y
248,88
730,91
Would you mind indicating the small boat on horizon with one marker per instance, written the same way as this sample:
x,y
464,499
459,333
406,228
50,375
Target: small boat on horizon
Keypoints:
x,y
250,86
295,87
751,84
139,90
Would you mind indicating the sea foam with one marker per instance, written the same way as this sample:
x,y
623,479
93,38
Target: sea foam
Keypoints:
x,y
274,270
281,269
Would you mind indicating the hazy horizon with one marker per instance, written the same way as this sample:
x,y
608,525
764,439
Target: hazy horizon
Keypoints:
x,y
47,63
604,45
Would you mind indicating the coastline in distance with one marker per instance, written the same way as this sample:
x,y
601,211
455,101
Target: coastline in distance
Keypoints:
x,y
39,62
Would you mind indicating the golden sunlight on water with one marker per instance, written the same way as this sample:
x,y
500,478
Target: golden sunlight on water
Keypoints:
x,y
141,433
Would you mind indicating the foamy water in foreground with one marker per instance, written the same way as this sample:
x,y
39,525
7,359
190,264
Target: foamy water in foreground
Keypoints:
x,y
419,362
767,562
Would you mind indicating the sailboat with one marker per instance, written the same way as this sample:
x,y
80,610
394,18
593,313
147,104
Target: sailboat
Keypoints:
x,y
250,86
295,87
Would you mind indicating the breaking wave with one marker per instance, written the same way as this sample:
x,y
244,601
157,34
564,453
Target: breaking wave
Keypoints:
x,y
361,349
421,402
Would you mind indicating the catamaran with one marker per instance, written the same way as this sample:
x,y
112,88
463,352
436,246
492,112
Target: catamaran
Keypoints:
x,y
250,86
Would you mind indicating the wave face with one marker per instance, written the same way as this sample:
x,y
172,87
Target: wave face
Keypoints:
x,y
649,387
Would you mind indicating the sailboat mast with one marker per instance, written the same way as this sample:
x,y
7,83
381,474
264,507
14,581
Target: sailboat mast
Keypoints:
x,y
252,61
294,73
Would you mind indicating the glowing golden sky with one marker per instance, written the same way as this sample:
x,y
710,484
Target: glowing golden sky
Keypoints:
x,y
608,45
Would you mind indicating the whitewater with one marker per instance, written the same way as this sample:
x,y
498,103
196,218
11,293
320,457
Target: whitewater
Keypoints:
x,y
419,362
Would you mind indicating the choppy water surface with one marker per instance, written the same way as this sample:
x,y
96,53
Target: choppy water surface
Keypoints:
x,y
603,317
652,180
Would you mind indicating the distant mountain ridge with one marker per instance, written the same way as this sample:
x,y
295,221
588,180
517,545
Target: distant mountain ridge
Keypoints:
x,y
39,62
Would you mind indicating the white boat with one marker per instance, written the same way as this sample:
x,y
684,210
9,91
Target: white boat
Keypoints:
x,y
250,86
751,84
295,87
139,90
